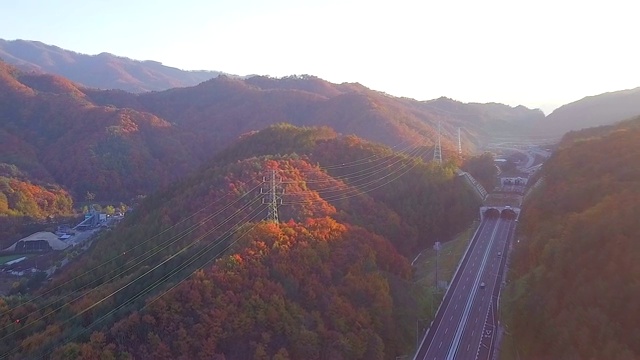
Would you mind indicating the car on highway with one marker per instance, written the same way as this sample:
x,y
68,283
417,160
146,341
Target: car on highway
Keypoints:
x,y
499,253
482,285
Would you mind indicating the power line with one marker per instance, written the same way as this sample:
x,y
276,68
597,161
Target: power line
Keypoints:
x,y
192,228
117,256
135,279
355,191
273,194
176,270
368,172
353,180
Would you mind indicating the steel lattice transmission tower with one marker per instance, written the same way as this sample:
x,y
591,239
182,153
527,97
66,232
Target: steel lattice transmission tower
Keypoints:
x,y
272,196
437,153
459,143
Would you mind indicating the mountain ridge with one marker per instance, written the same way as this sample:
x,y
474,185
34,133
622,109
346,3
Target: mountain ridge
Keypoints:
x,y
178,129
592,111
107,71
103,70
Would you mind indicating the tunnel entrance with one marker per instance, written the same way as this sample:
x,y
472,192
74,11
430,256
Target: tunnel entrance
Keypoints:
x,y
492,213
508,214
502,212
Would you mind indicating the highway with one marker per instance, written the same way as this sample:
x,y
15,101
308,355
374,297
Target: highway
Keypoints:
x,y
464,324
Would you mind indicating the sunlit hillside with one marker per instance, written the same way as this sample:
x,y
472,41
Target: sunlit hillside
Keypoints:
x,y
332,273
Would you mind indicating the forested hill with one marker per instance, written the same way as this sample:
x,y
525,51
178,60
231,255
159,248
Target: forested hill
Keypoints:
x,y
330,281
576,269
102,71
224,107
117,145
51,132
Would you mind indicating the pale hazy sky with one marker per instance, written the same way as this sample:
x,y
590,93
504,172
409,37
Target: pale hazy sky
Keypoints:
x,y
540,53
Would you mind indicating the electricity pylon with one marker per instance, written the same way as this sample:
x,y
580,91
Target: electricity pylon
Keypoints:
x,y
272,197
437,153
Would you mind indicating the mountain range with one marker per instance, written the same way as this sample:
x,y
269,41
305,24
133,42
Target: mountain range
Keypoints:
x,y
117,144
104,71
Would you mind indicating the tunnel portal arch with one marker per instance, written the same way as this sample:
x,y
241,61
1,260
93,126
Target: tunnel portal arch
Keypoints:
x,y
503,212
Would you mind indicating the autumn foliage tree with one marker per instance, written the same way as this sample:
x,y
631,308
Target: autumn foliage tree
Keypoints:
x,y
329,282
577,266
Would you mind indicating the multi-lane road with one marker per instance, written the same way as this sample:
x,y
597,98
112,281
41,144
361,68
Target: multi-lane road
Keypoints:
x,y
464,324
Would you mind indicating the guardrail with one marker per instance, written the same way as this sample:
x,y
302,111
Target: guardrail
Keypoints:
x,y
455,274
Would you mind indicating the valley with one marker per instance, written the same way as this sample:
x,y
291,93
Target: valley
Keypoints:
x,y
277,218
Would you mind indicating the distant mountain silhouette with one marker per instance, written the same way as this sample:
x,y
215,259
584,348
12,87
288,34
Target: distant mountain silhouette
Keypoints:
x,y
603,109
102,71
491,119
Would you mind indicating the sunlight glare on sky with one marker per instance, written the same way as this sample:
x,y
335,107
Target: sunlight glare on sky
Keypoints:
x,y
536,53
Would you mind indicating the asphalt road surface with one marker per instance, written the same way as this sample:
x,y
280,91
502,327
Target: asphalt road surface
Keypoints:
x,y
464,325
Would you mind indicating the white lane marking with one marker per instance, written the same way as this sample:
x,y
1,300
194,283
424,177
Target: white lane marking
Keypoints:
x,y
459,329
439,346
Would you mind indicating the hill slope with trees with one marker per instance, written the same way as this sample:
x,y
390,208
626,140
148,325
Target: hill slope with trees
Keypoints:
x,y
236,106
575,271
51,132
330,281
118,145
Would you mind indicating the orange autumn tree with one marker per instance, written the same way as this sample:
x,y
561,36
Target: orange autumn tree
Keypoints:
x,y
316,289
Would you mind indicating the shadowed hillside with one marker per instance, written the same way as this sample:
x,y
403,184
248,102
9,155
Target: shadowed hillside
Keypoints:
x,y
575,270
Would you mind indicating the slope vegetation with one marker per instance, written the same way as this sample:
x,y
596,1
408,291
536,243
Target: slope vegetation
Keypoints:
x,y
226,107
51,132
577,266
118,145
329,281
